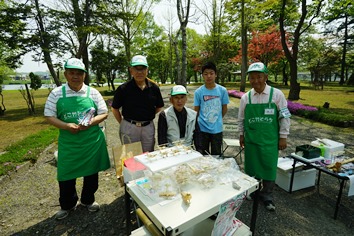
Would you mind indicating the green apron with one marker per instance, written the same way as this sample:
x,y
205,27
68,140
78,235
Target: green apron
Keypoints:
x,y
261,130
84,153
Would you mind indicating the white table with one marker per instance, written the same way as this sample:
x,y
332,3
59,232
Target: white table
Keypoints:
x,y
176,217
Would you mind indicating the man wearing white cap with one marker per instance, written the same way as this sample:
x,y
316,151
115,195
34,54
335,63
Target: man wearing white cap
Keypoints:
x,y
177,123
264,123
139,100
82,149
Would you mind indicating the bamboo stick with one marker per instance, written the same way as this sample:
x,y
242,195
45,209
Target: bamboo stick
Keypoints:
x,y
330,166
148,223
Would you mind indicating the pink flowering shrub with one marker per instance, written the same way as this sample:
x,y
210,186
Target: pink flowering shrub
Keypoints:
x,y
292,106
295,107
235,93
323,115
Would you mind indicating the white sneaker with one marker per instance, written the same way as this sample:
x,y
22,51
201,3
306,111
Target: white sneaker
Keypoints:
x,y
269,205
61,214
92,207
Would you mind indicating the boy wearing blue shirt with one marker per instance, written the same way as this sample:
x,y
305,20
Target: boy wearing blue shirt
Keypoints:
x,y
210,103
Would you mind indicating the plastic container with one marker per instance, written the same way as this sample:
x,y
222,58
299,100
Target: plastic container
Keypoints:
x,y
330,148
308,151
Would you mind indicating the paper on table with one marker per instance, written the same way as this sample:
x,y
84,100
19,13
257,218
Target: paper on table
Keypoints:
x,y
133,165
351,186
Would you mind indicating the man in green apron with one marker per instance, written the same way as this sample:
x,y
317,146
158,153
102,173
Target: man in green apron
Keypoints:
x,y
264,123
76,110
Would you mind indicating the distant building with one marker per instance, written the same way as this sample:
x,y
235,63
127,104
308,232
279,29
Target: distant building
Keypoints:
x,y
18,77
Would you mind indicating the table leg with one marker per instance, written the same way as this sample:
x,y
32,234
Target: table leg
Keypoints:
x,y
224,150
292,177
169,231
339,198
254,212
127,210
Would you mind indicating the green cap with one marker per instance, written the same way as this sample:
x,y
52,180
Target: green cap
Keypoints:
x,y
178,89
257,67
139,60
74,63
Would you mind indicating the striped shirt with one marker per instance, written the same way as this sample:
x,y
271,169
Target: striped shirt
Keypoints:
x,y
50,108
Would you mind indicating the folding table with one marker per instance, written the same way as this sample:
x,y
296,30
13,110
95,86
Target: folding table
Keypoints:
x,y
175,217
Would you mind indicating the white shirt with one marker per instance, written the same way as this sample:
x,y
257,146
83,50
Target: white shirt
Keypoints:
x,y
50,108
258,98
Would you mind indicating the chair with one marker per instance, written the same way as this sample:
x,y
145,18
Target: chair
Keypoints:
x,y
231,128
233,143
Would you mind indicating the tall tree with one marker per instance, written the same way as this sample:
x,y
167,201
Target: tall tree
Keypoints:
x,y
245,16
79,25
301,27
106,61
244,43
340,21
266,46
13,16
183,9
123,20
320,58
46,40
214,12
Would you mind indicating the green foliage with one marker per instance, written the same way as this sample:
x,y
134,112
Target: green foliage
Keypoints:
x,y
36,81
12,26
328,117
27,150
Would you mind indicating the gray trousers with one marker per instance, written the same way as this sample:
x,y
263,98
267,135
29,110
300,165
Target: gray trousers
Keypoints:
x,y
131,133
266,191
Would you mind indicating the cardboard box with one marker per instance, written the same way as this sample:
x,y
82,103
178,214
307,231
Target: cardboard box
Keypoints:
x,y
302,178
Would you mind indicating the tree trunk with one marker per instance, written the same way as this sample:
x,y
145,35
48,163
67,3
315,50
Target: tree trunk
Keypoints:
x,y
294,93
45,45
285,76
344,52
244,63
31,110
82,20
2,106
177,66
183,15
184,56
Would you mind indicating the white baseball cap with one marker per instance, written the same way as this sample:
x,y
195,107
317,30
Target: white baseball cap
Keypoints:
x,y
74,63
178,89
257,67
139,60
